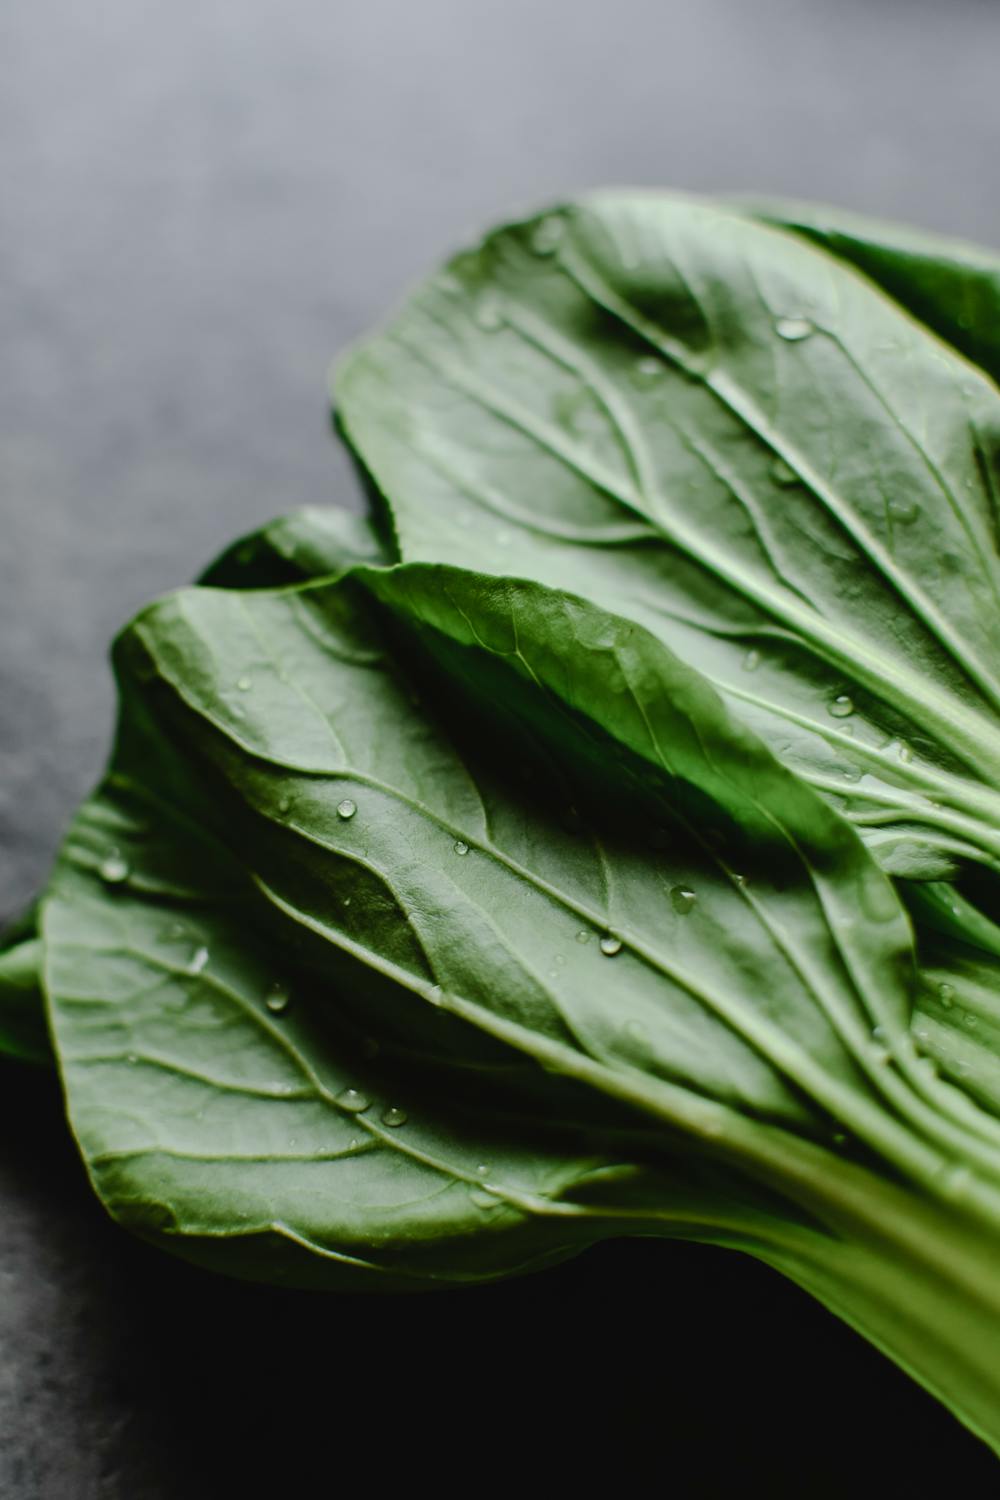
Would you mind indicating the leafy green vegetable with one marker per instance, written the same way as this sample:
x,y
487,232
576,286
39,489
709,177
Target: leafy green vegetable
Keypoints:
x,y
746,447
345,984
602,839
22,1019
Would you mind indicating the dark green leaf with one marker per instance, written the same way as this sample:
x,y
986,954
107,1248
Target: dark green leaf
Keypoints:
x,y
736,440
495,864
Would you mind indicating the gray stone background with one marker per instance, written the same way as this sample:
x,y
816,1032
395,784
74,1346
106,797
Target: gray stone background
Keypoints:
x,y
201,205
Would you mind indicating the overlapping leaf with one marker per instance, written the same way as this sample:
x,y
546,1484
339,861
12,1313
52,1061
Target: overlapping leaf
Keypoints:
x,y
735,439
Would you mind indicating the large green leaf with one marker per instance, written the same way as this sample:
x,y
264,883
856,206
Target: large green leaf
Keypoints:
x,y
497,862
735,439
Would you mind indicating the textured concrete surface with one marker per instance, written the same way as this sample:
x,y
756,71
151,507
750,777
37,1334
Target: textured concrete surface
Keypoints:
x,y
201,205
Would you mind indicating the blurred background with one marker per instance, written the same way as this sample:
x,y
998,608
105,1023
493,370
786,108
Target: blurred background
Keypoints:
x,y
202,205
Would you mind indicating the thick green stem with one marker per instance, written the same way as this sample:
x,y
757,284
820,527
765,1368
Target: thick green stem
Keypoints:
x,y
918,1274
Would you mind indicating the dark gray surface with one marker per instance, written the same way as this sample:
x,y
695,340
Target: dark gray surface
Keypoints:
x,y
202,204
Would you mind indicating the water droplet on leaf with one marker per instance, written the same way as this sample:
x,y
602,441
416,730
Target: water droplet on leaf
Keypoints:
x,y
682,899
751,661
244,684
841,707
346,809
353,1100
610,945
199,959
114,869
461,847
793,329
649,368
278,998
394,1116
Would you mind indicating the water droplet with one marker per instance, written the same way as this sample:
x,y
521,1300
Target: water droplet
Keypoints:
x,y
278,998
488,315
484,1197
199,959
904,753
783,473
132,1059
284,804
751,661
972,1022
394,1116
353,1143
559,958
346,809
610,945
353,1100
583,936
114,869
793,329
682,899
946,994
902,510
841,707
483,1169
244,684
649,368
740,881
545,236
461,847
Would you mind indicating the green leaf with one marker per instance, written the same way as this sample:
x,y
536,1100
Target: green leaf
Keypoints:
x,y
951,286
311,543
721,431
497,865
23,1033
